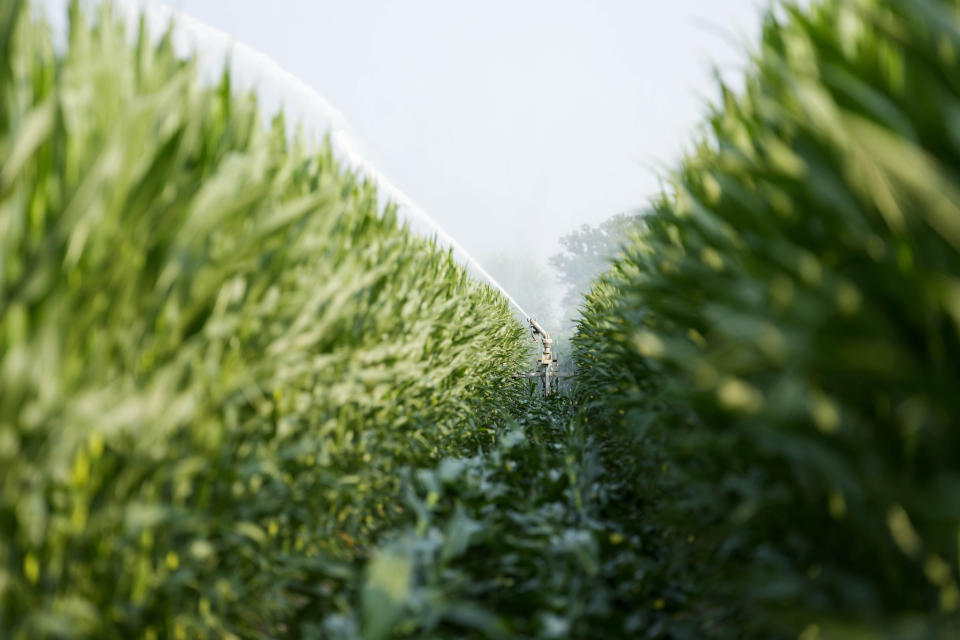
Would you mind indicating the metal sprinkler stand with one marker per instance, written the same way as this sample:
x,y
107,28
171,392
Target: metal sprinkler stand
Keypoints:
x,y
546,362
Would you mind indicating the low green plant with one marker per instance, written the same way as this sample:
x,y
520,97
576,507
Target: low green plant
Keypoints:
x,y
535,536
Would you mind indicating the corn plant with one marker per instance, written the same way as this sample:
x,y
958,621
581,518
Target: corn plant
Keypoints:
x,y
784,334
216,350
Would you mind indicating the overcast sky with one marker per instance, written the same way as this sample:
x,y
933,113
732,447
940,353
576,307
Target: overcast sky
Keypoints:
x,y
510,121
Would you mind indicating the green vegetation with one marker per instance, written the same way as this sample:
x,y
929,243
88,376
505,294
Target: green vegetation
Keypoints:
x,y
783,337
530,538
585,254
216,354
238,399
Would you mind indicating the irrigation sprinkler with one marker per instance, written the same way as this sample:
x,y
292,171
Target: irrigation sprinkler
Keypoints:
x,y
546,362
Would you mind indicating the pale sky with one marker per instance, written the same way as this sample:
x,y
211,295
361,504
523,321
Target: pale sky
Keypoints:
x,y
510,121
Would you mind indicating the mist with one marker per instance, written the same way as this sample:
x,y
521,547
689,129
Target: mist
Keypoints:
x,y
511,124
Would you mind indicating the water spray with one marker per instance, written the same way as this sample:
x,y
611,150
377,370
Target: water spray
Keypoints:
x,y
279,90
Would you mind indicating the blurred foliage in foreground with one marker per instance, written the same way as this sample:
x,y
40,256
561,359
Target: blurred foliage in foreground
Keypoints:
x,y
215,352
784,335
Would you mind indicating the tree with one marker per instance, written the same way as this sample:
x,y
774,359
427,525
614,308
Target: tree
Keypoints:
x,y
586,254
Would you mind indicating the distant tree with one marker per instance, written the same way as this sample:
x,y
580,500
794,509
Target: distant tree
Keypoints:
x,y
586,254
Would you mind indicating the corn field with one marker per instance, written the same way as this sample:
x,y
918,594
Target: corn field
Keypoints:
x,y
239,398
782,336
216,352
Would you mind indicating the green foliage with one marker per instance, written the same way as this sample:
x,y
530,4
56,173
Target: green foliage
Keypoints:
x,y
216,353
784,334
586,254
537,536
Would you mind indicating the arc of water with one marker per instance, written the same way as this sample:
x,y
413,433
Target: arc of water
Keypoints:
x,y
280,89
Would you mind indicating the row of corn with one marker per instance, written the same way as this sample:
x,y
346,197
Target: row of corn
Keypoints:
x,y
782,336
216,350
